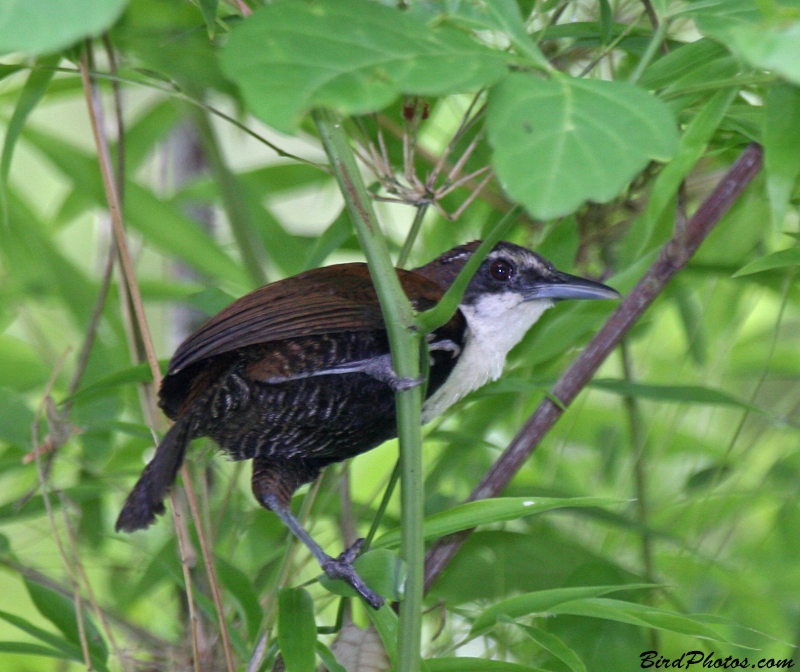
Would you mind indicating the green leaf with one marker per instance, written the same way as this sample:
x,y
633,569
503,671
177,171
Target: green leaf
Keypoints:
x,y
51,25
562,141
475,665
494,510
209,9
35,87
297,631
555,646
774,47
137,374
781,140
68,650
21,367
682,63
498,15
354,56
542,601
780,259
691,147
382,570
60,611
328,659
767,35
688,394
161,223
34,506
32,650
210,301
241,588
638,614
16,420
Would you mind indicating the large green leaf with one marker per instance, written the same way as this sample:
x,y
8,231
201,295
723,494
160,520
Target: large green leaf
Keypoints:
x,y
50,25
297,631
767,35
354,56
485,511
561,141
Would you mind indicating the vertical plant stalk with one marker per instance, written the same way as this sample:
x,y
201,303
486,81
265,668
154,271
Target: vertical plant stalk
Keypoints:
x,y
94,104
405,342
673,257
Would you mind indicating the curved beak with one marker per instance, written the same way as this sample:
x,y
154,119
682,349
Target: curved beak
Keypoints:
x,y
564,286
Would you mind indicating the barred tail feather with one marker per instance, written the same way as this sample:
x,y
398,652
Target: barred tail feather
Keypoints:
x,y
147,497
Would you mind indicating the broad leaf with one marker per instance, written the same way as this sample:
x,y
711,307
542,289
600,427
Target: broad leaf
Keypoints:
x,y
561,141
297,632
50,25
354,56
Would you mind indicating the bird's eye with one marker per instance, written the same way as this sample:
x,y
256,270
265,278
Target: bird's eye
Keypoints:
x,y
501,270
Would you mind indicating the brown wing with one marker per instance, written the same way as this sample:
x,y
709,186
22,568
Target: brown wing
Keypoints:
x,y
322,301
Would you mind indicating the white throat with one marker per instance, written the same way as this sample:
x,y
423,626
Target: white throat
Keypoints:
x,y
495,324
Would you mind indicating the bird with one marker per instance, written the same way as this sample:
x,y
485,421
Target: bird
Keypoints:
x,y
298,374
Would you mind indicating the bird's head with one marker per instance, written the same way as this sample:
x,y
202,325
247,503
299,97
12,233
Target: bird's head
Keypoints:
x,y
511,275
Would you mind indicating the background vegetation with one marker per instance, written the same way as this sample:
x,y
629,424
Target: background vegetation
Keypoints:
x,y
673,517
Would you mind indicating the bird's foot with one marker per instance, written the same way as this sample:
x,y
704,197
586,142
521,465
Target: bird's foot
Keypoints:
x,y
342,568
400,384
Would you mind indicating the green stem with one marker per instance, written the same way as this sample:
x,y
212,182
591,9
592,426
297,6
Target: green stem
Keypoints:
x,y
405,342
650,52
387,496
412,235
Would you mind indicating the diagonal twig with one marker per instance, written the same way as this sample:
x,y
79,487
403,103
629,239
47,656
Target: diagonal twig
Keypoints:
x,y
673,257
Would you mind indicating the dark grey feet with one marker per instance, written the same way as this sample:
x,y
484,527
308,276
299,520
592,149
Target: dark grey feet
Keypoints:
x,y
342,568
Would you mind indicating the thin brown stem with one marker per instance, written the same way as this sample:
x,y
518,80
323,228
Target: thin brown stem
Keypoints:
x,y
183,546
674,257
115,87
209,563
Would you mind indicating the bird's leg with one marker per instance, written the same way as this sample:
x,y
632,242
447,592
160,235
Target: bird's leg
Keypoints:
x,y
273,488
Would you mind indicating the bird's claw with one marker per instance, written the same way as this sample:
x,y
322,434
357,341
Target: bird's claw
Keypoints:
x,y
402,384
342,568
